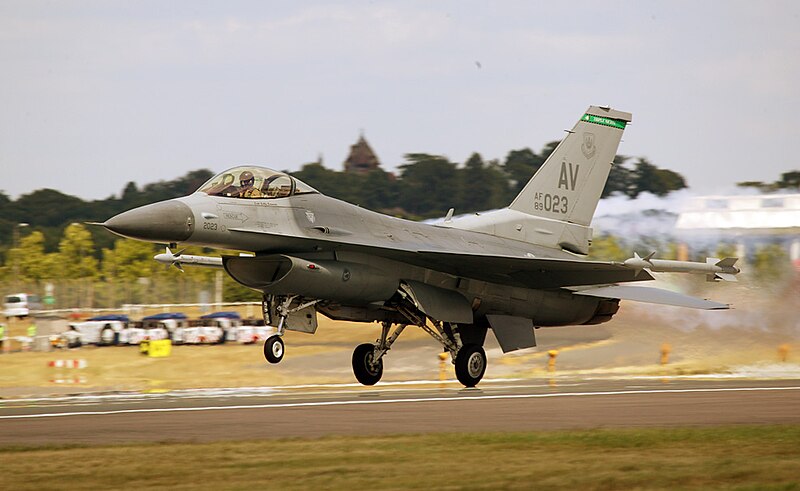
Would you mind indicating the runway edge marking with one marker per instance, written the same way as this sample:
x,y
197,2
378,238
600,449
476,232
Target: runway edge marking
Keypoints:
x,y
396,401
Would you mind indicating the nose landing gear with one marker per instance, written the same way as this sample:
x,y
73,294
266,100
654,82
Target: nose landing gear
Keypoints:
x,y
273,349
280,307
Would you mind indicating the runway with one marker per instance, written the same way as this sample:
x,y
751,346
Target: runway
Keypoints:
x,y
396,408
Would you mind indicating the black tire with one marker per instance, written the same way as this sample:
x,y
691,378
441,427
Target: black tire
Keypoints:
x,y
366,372
113,339
470,365
74,343
273,349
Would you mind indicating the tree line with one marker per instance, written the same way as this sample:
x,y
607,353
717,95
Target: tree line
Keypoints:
x,y
425,186
788,181
125,273
428,185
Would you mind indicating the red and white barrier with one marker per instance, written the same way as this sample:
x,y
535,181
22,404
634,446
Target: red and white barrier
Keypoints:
x,y
67,363
69,380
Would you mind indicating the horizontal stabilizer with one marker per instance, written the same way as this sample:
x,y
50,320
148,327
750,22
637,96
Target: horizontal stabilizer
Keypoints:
x,y
647,294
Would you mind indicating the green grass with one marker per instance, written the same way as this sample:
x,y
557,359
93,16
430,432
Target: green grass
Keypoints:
x,y
751,457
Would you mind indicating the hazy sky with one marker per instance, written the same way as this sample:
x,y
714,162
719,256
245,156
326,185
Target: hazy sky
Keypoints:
x,y
96,94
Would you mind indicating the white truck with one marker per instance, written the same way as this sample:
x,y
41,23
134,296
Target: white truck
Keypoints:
x,y
236,329
21,305
102,330
216,328
182,331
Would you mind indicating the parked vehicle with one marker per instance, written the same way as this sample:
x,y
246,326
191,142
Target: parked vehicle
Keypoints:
x,y
182,331
215,328
21,305
102,330
236,329
110,330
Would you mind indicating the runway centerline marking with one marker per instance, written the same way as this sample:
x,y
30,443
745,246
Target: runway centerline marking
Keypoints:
x,y
397,401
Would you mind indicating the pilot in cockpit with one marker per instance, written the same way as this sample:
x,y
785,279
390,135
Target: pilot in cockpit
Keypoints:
x,y
246,189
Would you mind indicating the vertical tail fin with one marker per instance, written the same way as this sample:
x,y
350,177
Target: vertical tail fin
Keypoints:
x,y
568,185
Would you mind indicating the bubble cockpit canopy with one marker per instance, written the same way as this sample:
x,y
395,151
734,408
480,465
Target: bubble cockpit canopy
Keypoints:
x,y
250,182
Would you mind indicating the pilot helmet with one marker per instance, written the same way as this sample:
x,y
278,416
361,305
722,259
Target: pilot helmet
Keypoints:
x,y
246,178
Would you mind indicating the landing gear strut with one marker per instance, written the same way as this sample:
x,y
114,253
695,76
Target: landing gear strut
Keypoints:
x,y
273,346
368,358
469,359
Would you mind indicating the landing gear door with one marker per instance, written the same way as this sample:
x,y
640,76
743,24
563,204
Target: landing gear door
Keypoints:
x,y
439,303
512,333
304,320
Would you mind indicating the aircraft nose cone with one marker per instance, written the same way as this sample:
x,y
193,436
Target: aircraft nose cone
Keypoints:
x,y
167,221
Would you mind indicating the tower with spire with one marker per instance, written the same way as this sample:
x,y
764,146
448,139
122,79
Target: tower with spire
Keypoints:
x,y
361,159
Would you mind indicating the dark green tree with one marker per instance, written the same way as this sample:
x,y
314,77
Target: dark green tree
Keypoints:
x,y
429,186
380,190
324,180
788,180
649,178
620,178
520,166
484,186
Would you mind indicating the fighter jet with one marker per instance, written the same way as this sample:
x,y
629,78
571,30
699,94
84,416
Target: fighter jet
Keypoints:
x,y
510,270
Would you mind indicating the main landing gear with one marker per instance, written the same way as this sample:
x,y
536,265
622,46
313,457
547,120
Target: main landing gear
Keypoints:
x,y
470,364
469,359
368,358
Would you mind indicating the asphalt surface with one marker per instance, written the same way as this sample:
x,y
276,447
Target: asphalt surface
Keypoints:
x,y
417,407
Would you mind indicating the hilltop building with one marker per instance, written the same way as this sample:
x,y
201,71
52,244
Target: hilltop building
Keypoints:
x,y
362,158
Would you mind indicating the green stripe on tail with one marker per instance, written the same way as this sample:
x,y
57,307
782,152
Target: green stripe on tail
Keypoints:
x,y
614,123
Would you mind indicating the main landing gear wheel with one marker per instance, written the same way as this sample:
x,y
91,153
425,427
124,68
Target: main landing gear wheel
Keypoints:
x,y
470,365
367,371
273,349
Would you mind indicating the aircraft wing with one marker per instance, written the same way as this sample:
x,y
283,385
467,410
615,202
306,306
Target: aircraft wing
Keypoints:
x,y
648,294
525,272
532,272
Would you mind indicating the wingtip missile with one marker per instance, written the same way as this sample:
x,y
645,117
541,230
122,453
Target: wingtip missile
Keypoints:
x,y
638,263
715,269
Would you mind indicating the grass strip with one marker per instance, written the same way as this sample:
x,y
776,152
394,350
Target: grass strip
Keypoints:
x,y
737,457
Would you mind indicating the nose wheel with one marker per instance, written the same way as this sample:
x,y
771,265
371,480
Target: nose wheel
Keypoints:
x,y
273,349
